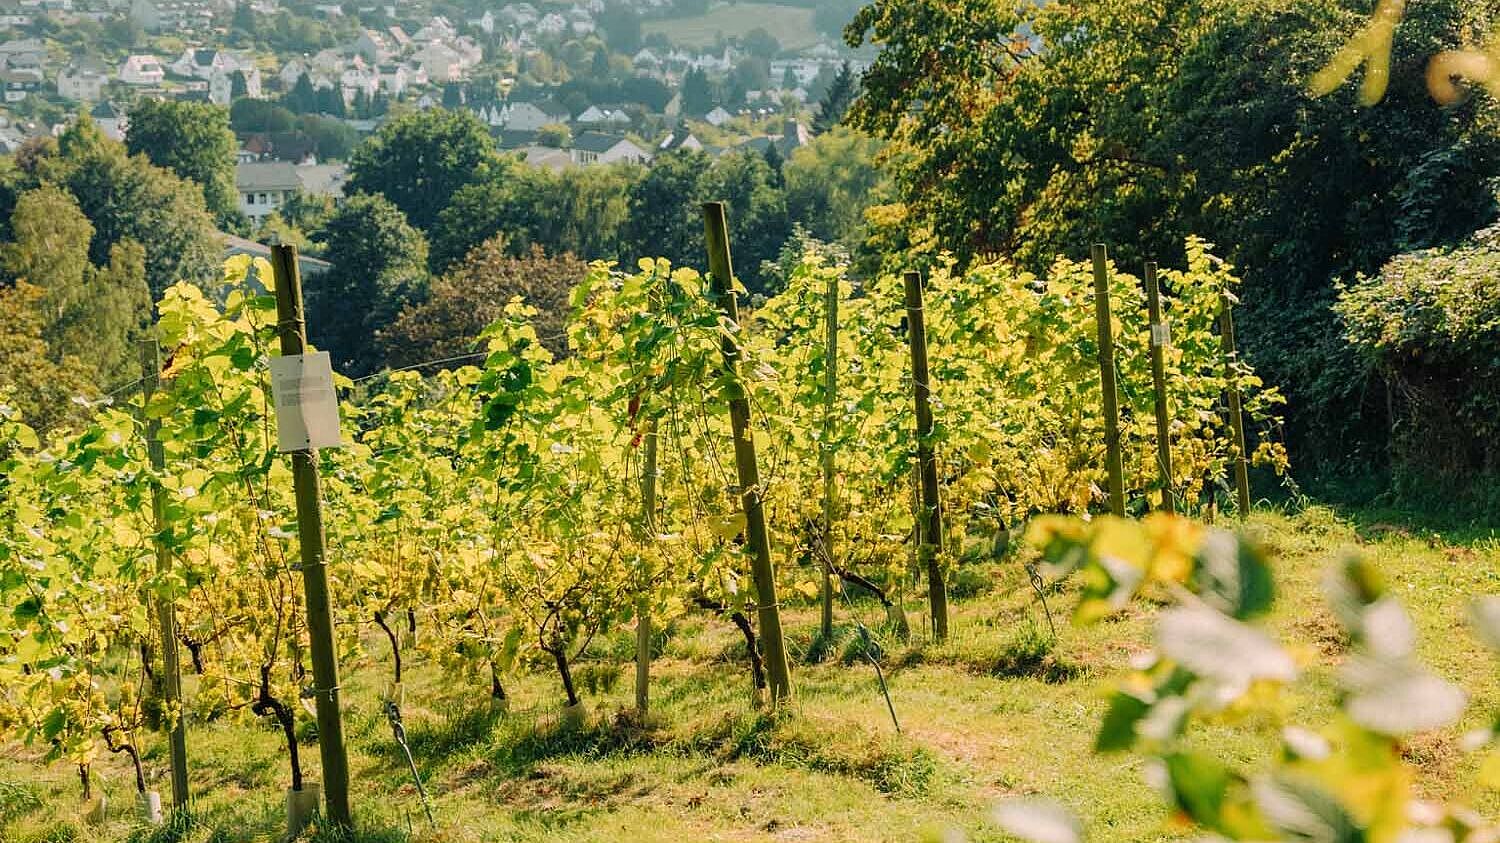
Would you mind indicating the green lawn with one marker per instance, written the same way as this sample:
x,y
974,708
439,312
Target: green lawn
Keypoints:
x,y
791,25
990,714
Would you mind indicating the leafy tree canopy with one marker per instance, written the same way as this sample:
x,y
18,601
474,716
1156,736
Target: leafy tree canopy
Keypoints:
x,y
420,160
1137,123
193,140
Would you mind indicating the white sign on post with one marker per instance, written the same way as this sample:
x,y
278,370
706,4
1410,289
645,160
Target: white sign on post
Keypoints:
x,y
1161,335
307,406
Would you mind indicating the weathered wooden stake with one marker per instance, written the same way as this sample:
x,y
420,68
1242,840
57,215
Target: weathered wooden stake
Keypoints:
x,y
643,604
830,411
1236,409
1161,337
768,608
292,326
1114,462
930,518
166,610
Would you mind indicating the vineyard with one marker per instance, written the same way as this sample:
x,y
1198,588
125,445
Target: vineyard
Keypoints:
x,y
799,487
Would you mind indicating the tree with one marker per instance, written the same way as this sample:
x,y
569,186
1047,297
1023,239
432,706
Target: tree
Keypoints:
x,y
420,160
622,28
453,95
193,140
761,44
244,20
39,386
555,135
361,105
665,219
831,182
250,115
697,93
50,250
333,139
752,74
88,313
379,267
758,221
646,90
127,198
303,97
1139,124
581,211
836,100
474,293
330,101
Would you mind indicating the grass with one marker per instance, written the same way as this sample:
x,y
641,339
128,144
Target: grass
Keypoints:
x,y
1002,709
790,25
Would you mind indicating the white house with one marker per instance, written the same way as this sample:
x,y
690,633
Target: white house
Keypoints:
x,y
718,117
264,186
198,63
82,81
144,70
599,148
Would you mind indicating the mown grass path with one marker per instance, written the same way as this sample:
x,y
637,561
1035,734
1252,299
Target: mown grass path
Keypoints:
x,y
999,710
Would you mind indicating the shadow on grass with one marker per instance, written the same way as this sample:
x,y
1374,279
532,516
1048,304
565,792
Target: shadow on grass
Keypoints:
x,y
1028,653
889,764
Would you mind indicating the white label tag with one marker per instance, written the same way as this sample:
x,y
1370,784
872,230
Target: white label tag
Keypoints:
x,y
1161,335
307,407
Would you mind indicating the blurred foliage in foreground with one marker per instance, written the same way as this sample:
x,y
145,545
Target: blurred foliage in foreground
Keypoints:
x,y
1343,782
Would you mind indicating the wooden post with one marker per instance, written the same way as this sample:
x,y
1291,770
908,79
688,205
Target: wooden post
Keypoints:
x,y
292,326
643,603
1236,409
1161,337
166,610
768,609
1114,462
930,518
830,415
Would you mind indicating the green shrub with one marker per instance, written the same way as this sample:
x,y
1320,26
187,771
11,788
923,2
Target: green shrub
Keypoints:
x,y
1429,326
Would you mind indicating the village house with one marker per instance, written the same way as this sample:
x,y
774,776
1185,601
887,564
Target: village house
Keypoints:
x,y
596,116
175,16
263,186
599,148
142,70
111,120
531,116
82,81
20,83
